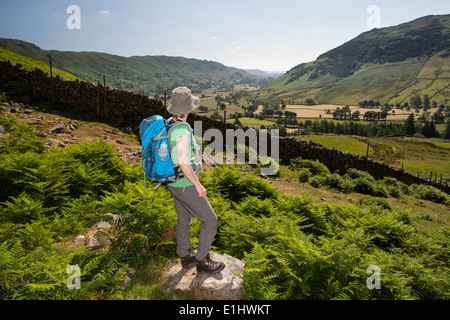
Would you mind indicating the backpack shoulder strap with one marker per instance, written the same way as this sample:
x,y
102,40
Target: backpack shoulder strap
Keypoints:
x,y
176,124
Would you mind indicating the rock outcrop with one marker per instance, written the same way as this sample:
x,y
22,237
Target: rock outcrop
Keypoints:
x,y
226,285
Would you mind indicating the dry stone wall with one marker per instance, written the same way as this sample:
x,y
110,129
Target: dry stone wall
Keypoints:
x,y
342,161
110,103
131,107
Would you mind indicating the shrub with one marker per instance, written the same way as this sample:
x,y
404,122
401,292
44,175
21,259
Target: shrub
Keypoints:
x,y
374,201
270,165
19,137
23,209
255,207
370,187
315,181
142,223
394,187
230,183
430,193
314,166
356,174
304,175
333,181
312,220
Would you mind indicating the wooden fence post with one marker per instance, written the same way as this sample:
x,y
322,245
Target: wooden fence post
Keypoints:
x,y
104,84
367,155
98,99
165,105
51,81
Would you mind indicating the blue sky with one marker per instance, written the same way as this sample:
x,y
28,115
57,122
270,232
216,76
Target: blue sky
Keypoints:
x,y
273,35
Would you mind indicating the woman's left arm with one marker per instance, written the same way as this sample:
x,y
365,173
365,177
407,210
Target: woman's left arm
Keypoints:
x,y
182,144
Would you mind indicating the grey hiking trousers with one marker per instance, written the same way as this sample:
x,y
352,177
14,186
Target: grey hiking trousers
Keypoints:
x,y
188,204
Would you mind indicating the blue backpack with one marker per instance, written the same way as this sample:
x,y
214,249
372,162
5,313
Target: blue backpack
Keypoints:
x,y
154,132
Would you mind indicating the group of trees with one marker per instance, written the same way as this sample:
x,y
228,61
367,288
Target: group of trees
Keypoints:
x,y
345,114
374,129
369,103
375,115
417,102
428,130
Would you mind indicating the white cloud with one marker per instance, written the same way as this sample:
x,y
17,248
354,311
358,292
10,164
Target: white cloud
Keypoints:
x,y
213,38
104,12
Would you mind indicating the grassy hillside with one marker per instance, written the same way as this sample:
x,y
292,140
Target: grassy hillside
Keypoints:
x,y
386,65
29,63
149,74
433,79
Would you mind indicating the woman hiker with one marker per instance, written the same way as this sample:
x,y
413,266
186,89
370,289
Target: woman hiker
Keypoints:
x,y
189,195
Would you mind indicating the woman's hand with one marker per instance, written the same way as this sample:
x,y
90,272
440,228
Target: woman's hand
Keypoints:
x,y
201,190
182,144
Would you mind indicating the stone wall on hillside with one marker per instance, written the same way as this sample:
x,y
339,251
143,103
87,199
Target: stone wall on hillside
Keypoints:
x,y
109,103
131,107
342,161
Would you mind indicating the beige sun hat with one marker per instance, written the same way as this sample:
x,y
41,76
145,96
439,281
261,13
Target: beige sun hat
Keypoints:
x,y
182,101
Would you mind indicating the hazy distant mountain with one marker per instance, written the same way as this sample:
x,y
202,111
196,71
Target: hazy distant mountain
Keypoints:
x,y
149,74
266,74
386,65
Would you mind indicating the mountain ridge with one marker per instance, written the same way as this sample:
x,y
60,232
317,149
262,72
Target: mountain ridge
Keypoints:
x,y
342,76
147,74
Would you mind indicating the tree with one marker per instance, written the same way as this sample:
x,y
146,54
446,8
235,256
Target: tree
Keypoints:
x,y
278,113
416,101
438,117
446,134
429,130
203,109
355,115
290,114
371,115
347,112
309,102
426,101
410,125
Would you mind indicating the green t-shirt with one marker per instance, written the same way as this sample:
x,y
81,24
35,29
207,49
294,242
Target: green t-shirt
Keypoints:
x,y
176,133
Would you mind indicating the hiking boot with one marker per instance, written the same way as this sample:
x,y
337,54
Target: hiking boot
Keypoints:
x,y
209,265
188,260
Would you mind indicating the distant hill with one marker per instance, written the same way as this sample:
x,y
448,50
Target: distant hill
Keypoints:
x,y
386,65
148,74
266,74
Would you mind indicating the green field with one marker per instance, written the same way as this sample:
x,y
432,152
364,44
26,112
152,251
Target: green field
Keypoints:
x,y
344,143
252,122
418,155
